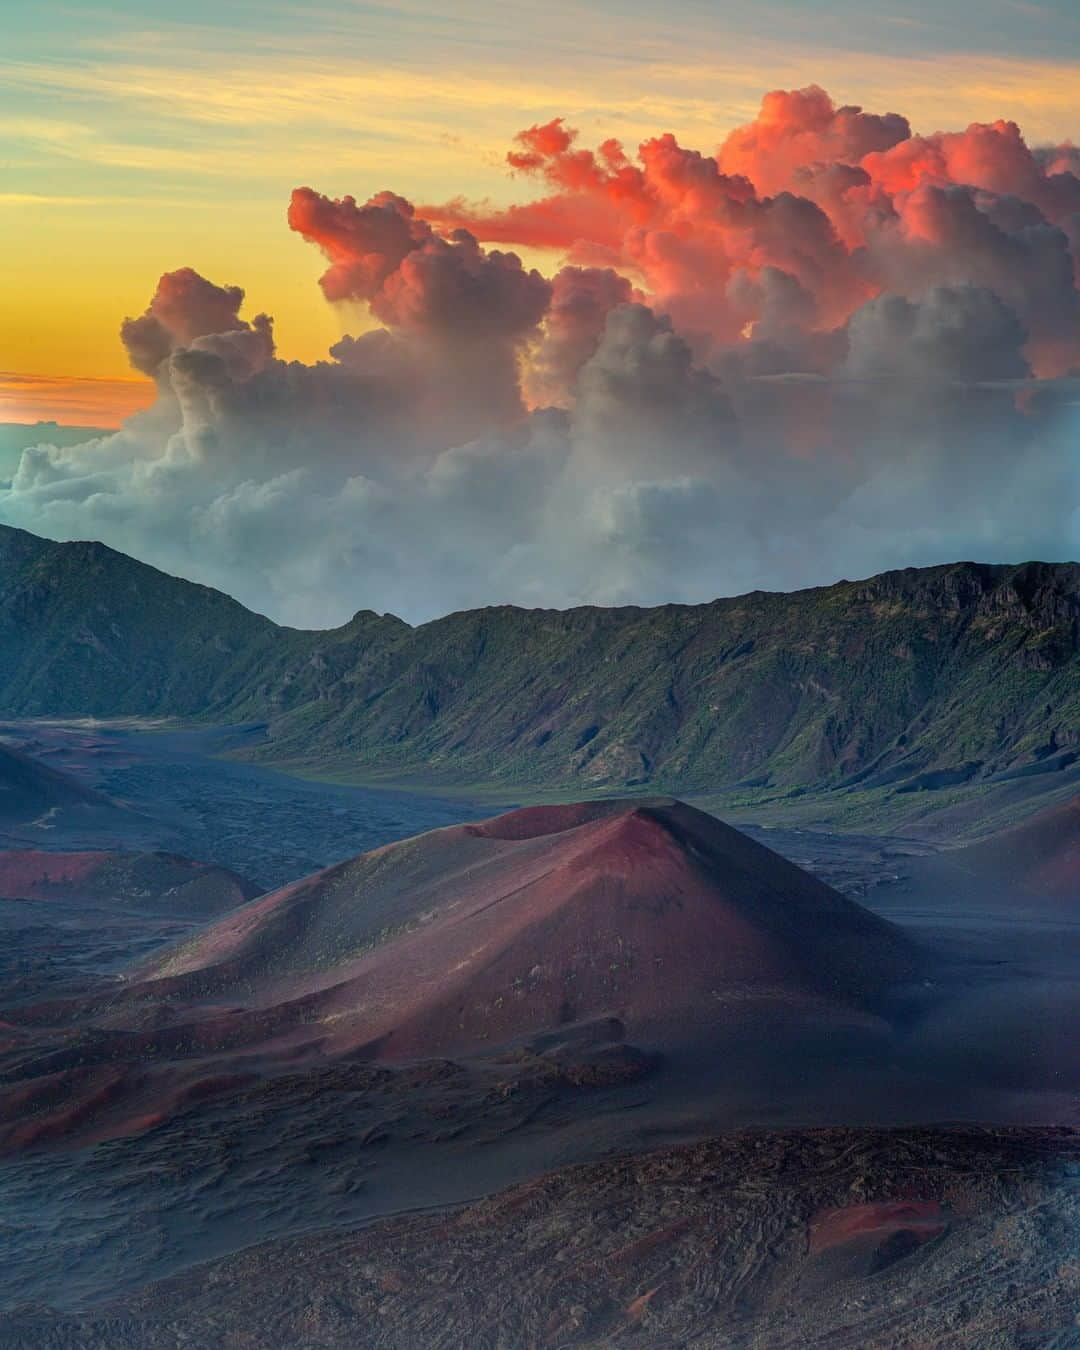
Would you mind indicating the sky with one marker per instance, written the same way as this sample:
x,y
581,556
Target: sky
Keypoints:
x,y
140,137
417,309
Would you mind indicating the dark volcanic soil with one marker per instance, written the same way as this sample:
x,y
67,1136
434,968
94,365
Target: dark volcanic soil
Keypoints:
x,y
792,1240
182,796
1032,868
462,942
40,801
846,1239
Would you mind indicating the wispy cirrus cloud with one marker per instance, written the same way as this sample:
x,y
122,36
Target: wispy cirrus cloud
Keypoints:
x,y
346,91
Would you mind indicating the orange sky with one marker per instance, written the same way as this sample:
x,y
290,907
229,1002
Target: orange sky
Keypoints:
x,y
71,401
137,142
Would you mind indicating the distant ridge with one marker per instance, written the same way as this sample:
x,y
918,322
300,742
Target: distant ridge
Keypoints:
x,y
921,680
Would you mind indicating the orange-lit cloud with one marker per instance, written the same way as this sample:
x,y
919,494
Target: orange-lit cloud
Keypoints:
x,y
197,135
819,345
805,214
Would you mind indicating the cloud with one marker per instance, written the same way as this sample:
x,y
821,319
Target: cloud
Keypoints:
x,y
800,128
847,204
581,300
364,245
186,307
829,348
465,312
955,333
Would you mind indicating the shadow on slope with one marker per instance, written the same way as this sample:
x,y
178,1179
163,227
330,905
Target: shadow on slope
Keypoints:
x,y
37,801
1032,867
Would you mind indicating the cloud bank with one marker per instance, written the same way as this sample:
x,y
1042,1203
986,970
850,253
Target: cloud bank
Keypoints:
x,y
828,347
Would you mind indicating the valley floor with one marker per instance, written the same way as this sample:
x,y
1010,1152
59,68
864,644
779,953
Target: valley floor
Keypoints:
x,y
187,795
498,1204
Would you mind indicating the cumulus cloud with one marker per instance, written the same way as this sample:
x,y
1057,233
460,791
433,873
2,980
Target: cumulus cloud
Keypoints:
x,y
955,333
185,307
581,300
799,129
829,347
848,204
467,312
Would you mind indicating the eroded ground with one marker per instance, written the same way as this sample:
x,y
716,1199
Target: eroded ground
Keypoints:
x,y
838,1238
971,1235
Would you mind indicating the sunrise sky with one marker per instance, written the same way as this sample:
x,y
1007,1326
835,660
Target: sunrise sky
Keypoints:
x,y
140,137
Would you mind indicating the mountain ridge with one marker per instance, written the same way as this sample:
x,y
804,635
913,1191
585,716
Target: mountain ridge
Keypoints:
x,y
920,679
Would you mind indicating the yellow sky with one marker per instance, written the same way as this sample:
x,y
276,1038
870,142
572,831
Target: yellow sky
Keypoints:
x,y
142,150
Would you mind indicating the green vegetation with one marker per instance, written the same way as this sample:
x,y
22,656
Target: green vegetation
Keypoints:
x,y
938,680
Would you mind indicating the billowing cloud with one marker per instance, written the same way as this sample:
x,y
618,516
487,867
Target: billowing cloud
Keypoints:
x,y
466,311
960,333
829,347
802,129
185,307
846,203
581,300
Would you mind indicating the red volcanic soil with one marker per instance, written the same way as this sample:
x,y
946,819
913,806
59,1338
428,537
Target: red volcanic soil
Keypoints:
x,y
1042,855
28,874
1032,864
923,1219
165,880
471,936
651,917
861,1240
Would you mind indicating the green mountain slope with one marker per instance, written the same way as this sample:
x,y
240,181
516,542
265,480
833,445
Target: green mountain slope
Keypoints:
x,y
919,679
87,631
